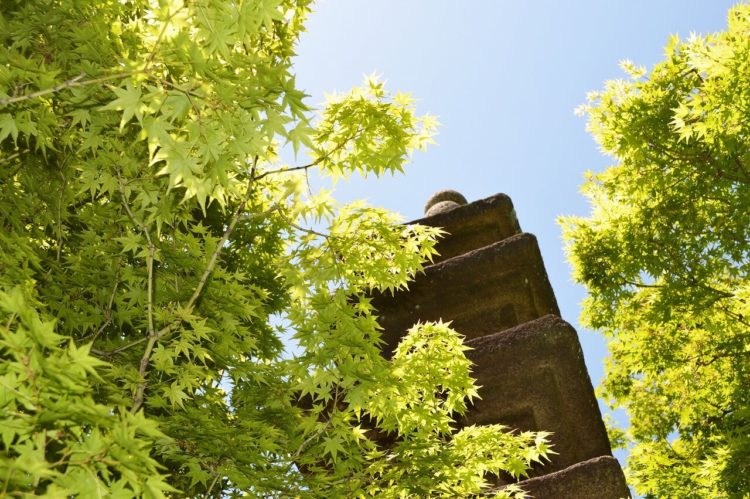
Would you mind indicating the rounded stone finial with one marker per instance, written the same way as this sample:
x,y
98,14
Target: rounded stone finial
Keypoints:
x,y
443,201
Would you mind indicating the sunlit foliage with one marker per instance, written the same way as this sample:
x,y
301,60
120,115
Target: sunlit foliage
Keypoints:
x,y
665,255
154,250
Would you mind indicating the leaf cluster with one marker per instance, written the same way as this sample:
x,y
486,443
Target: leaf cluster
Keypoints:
x,y
156,251
665,257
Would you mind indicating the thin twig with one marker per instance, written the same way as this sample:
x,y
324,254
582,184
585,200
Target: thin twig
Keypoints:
x,y
291,169
110,304
59,216
152,55
319,431
307,181
310,165
216,479
188,92
71,83
150,259
642,285
154,336
169,328
112,353
309,231
77,81
138,395
13,156
224,238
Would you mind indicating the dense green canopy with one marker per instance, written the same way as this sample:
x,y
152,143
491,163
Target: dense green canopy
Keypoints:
x,y
665,255
154,250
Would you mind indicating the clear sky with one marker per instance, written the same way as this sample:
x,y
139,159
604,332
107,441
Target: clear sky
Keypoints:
x,y
503,78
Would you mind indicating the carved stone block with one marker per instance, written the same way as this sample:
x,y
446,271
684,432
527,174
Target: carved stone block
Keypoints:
x,y
473,225
484,291
598,478
533,377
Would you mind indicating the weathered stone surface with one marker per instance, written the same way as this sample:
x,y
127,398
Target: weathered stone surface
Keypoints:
x,y
441,207
473,225
484,291
533,377
598,478
489,279
448,195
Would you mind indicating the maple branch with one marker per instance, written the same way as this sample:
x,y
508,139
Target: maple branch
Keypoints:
x,y
308,230
74,82
59,214
216,479
112,353
160,36
315,433
169,328
142,368
713,358
314,163
224,238
291,169
642,285
149,259
110,304
740,166
154,336
735,316
13,156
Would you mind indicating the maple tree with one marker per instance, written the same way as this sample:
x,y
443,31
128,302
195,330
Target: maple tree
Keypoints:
x,y
664,255
155,250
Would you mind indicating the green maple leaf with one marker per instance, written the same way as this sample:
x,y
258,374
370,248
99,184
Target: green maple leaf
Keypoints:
x,y
8,127
332,446
128,101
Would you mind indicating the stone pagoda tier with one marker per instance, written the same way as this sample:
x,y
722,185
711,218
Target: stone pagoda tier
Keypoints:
x,y
490,281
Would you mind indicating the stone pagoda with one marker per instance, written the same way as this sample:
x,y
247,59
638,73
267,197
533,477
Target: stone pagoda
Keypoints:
x,y
490,281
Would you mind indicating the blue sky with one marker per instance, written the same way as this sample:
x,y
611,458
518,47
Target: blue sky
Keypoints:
x,y
503,78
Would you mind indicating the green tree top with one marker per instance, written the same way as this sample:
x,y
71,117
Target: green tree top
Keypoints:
x,y
154,249
665,255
